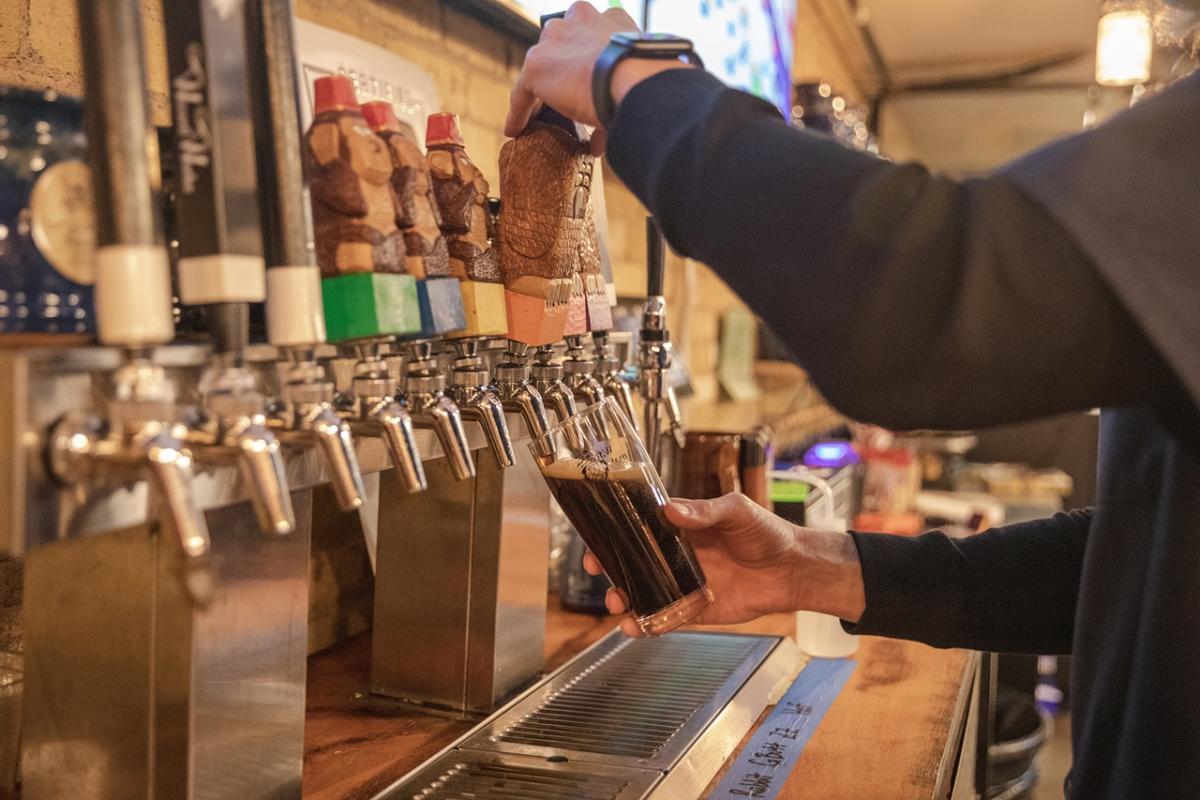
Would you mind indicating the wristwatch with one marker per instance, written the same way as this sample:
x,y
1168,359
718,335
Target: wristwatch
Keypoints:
x,y
658,46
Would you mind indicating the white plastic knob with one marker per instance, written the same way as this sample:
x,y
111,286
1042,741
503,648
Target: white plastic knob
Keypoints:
x,y
221,278
295,311
133,295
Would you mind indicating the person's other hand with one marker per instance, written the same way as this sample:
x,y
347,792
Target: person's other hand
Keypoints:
x,y
749,555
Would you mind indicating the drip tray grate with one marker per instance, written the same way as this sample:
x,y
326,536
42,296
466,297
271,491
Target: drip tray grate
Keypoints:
x,y
615,722
475,775
636,702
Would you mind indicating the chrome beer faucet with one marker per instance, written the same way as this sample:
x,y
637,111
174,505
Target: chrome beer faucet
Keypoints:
x,y
471,389
547,379
608,372
220,266
137,436
579,369
425,392
235,429
517,392
295,314
136,440
373,410
307,418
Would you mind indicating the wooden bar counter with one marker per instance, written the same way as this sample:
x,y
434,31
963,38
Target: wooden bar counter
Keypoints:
x,y
894,732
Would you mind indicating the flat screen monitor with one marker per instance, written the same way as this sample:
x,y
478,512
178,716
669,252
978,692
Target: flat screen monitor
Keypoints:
x,y
746,43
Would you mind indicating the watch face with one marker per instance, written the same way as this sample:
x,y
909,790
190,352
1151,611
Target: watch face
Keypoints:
x,y
654,42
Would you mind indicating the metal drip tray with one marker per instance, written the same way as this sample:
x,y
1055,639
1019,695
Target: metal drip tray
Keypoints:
x,y
627,718
637,702
477,775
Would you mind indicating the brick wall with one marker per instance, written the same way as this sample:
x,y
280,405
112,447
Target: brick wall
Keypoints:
x,y
39,48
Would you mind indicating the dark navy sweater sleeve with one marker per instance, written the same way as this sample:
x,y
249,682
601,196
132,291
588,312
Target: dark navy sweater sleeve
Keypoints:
x,y
1012,589
913,300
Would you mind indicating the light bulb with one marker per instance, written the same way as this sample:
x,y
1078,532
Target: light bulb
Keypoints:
x,y
1124,47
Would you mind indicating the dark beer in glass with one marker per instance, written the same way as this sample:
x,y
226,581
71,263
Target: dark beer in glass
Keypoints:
x,y
600,474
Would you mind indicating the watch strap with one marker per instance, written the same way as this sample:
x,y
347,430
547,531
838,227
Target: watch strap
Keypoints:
x,y
612,55
618,49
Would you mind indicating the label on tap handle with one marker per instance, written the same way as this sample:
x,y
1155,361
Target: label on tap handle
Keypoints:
x,y
427,258
461,195
360,249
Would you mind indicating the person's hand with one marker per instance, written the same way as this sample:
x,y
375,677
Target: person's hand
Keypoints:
x,y
747,553
758,563
558,69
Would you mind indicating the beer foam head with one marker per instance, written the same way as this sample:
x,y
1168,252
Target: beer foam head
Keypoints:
x,y
578,469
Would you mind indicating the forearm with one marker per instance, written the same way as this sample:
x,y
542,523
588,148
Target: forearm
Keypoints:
x,y
827,576
1012,589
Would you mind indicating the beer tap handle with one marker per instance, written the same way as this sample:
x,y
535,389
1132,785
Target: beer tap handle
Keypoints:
x,y
654,258
486,409
170,468
260,459
333,436
446,421
397,427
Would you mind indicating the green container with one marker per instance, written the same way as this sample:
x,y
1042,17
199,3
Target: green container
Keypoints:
x,y
789,491
787,498
365,305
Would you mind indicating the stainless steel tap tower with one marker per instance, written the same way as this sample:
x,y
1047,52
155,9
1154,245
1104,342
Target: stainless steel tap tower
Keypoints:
x,y
167,564
660,407
460,578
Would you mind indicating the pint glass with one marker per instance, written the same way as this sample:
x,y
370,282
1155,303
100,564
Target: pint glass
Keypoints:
x,y
600,474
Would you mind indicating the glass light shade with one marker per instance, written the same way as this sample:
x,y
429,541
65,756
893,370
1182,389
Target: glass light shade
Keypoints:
x,y
1124,47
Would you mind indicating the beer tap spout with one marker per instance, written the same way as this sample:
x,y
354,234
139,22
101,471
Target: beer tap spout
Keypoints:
x,y
608,372
87,450
260,462
518,394
486,409
169,465
396,425
309,419
376,412
425,391
477,399
333,437
547,379
525,400
237,432
579,369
